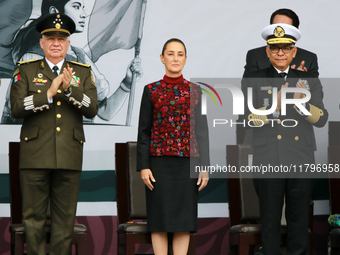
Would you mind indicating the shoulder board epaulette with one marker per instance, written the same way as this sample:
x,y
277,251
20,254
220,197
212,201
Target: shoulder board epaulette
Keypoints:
x,y
80,64
27,61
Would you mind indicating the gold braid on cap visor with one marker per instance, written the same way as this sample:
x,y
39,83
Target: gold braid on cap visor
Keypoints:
x,y
281,41
55,30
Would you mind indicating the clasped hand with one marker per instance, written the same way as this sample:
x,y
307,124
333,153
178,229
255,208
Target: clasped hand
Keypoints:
x,y
64,78
297,95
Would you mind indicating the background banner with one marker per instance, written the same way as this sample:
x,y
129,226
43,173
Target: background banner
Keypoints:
x,y
217,35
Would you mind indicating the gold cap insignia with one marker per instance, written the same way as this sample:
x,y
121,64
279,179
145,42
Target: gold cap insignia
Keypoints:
x,y
57,26
279,31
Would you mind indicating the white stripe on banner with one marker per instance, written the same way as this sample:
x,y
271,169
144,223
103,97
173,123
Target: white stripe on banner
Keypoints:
x,y
97,209
206,210
213,210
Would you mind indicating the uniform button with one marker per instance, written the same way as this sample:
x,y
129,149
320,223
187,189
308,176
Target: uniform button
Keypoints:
x,y
269,91
279,122
58,103
58,129
26,138
59,91
58,116
81,141
39,91
70,99
74,103
47,107
79,106
296,138
41,109
279,137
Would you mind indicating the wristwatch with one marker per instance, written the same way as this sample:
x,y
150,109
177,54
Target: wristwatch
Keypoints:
x,y
69,89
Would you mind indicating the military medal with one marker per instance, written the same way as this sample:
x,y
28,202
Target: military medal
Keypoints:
x,y
304,82
39,81
265,101
75,81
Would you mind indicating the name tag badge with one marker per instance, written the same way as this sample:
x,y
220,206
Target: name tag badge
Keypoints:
x,y
266,88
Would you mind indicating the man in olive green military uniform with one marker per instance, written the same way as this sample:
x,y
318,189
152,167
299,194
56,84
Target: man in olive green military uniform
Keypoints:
x,y
52,95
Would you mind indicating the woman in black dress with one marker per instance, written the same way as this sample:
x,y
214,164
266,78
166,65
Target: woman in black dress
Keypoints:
x,y
172,139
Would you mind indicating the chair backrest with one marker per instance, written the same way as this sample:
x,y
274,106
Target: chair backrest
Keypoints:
x,y
243,200
334,180
334,159
131,203
15,189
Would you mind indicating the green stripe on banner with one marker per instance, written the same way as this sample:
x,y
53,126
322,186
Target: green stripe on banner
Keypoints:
x,y
97,186
100,186
215,192
4,188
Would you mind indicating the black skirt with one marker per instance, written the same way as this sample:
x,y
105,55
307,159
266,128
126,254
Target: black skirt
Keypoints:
x,y
172,205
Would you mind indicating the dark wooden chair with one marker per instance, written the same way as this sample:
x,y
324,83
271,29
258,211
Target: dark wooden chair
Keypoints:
x,y
131,205
334,197
17,228
244,212
334,181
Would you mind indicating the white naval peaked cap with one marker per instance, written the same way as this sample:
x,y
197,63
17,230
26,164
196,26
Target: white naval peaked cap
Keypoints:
x,y
281,33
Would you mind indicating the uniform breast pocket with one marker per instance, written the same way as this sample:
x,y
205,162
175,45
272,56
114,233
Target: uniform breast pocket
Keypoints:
x,y
259,141
78,134
265,98
310,141
77,86
29,132
37,89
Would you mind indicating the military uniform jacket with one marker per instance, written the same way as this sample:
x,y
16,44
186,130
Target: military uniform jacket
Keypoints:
x,y
273,143
52,135
257,59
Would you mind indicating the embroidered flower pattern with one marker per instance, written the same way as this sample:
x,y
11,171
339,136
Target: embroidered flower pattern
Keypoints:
x,y
173,119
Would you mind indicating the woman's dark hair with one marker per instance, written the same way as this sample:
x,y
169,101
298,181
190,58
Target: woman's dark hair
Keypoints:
x,y
173,40
286,12
29,36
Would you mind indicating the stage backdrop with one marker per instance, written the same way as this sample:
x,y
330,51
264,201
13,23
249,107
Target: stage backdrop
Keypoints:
x,y
217,34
